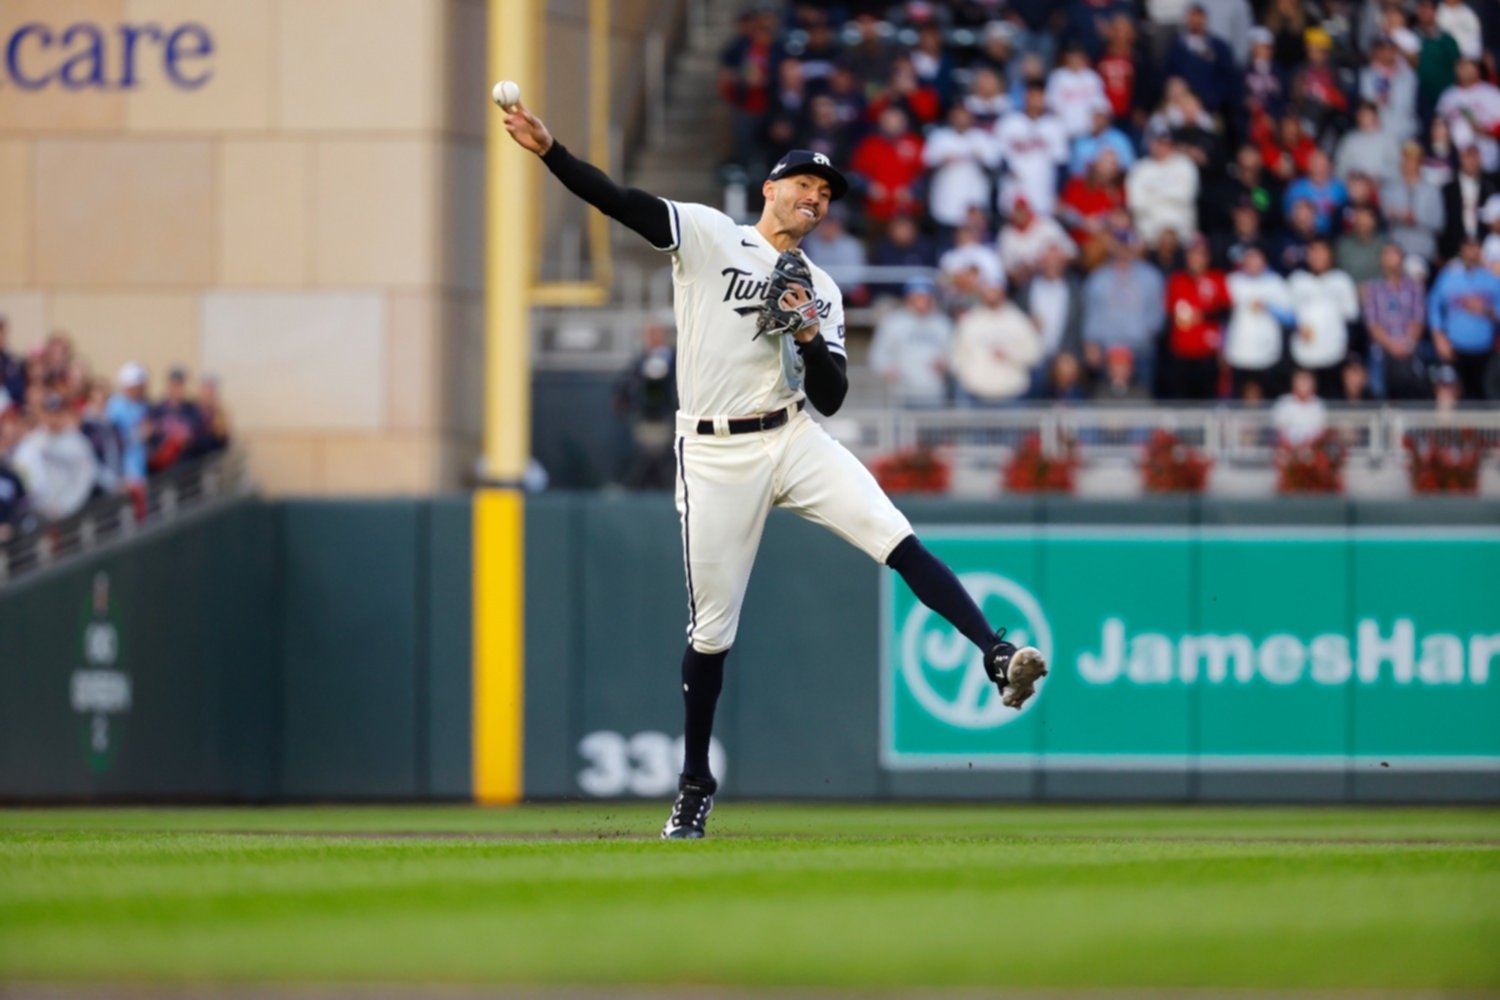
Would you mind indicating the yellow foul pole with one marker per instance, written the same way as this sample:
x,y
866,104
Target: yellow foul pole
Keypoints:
x,y
499,506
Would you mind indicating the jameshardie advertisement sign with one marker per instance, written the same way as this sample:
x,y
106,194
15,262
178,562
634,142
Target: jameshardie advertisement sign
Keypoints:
x,y
1229,649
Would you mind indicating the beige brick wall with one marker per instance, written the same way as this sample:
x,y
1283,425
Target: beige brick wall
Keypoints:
x,y
305,222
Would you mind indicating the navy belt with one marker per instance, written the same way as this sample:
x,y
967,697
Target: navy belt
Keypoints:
x,y
750,425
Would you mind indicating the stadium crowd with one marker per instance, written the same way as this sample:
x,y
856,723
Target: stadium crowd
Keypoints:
x,y
66,437
1168,199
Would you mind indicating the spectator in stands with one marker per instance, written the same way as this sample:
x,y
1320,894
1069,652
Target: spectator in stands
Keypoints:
x,y
933,64
1064,379
1287,22
1229,248
826,132
1197,302
12,368
13,504
890,162
1025,237
1265,85
1325,192
1325,302
906,91
646,397
958,156
1123,303
1032,145
987,101
1126,72
1394,307
1054,301
215,434
746,75
1368,149
996,50
1074,90
832,248
1118,383
820,52
1458,20
1489,253
911,346
1204,63
103,438
1262,308
1390,84
1447,388
1091,24
1300,416
1357,252
1286,150
1412,206
1462,311
1290,251
1463,197
175,424
1162,190
1436,59
972,251
56,462
1100,136
871,58
903,245
995,348
1089,203
1319,90
1471,107
1356,382
129,411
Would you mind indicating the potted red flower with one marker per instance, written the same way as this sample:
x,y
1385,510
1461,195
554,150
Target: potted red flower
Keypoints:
x,y
1170,466
1032,470
1450,465
913,470
1315,466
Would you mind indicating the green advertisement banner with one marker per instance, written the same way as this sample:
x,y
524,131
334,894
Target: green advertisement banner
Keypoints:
x,y
1233,649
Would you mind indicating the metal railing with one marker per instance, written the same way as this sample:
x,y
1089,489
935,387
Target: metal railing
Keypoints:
x,y
187,487
1231,435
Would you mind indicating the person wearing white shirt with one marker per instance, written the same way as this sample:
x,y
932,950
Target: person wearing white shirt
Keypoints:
x,y
1390,84
1162,191
1473,105
1262,307
1368,148
1325,302
995,348
1300,416
1032,144
1456,18
56,462
910,347
1490,252
1026,237
1073,89
971,251
958,155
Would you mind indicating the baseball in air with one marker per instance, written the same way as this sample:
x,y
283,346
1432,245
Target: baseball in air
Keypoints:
x,y
507,94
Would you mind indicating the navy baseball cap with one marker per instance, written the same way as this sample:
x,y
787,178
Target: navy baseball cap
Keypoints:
x,y
805,161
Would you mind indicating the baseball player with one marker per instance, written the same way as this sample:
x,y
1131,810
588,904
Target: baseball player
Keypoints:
x,y
760,336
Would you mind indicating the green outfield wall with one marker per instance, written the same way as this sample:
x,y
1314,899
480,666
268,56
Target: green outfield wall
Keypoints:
x,y
1317,650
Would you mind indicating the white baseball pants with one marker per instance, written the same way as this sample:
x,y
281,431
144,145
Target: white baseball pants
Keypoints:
x,y
726,486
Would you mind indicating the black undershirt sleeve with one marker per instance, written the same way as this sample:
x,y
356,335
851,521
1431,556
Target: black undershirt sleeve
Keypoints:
x,y
642,212
825,376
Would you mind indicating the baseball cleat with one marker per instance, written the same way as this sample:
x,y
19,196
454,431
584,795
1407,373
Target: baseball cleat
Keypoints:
x,y
1014,671
695,800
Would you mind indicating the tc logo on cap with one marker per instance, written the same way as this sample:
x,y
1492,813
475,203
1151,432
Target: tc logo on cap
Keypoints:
x,y
819,158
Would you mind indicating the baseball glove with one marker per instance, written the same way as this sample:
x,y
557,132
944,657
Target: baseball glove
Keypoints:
x,y
777,315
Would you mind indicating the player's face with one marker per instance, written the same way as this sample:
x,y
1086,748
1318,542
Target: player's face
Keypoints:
x,y
798,203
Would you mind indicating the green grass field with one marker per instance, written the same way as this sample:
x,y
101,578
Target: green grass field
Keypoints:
x,y
880,898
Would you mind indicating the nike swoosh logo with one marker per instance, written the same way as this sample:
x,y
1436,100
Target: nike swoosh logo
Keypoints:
x,y
747,243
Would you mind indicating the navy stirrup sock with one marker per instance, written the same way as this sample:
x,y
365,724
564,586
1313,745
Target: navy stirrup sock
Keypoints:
x,y
702,680
937,587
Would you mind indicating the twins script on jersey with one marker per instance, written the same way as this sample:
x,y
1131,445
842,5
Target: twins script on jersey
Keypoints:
x,y
719,272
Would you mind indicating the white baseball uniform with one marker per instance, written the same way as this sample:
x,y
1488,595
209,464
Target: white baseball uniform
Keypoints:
x,y
727,483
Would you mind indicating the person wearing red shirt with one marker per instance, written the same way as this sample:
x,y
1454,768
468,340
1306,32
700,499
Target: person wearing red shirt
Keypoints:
x,y
1197,301
1285,146
1117,68
907,92
1087,203
890,163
